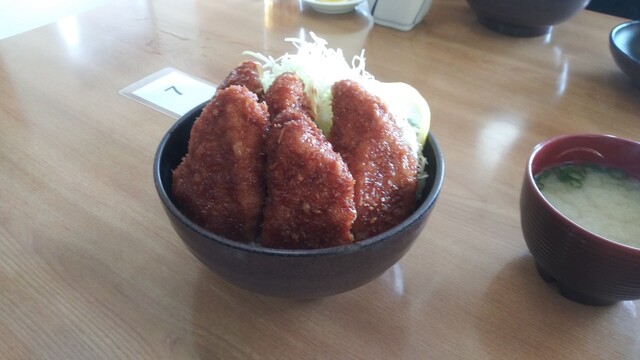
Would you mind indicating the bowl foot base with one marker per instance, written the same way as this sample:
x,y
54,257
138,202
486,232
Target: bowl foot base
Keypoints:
x,y
571,294
514,30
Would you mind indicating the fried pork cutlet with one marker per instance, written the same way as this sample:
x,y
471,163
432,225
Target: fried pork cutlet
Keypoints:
x,y
287,93
382,164
310,190
220,183
246,74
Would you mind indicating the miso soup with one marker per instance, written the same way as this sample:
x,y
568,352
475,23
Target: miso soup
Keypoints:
x,y
603,200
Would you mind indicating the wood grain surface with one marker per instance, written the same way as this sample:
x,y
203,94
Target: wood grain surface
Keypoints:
x,y
91,268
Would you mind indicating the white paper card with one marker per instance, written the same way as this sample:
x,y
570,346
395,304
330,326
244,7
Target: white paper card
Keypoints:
x,y
170,91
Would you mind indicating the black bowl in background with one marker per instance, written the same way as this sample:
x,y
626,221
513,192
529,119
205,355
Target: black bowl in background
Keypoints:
x,y
525,18
303,274
624,44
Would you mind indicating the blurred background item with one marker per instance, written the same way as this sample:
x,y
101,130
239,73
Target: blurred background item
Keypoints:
x,y
629,9
399,14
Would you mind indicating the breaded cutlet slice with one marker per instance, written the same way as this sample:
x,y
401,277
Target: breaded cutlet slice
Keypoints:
x,y
310,190
246,74
382,164
220,184
287,93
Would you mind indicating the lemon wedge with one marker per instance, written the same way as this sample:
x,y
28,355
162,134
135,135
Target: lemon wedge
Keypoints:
x,y
409,108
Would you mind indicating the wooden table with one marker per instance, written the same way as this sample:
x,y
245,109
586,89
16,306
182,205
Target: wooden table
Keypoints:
x,y
91,268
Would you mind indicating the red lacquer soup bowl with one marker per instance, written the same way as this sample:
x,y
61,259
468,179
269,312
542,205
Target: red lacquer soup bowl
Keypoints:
x,y
587,267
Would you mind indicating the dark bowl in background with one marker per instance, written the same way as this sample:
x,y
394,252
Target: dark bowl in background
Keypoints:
x,y
588,268
302,274
525,18
624,44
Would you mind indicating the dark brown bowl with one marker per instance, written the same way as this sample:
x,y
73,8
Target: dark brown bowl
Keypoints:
x,y
525,17
304,274
624,43
588,268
